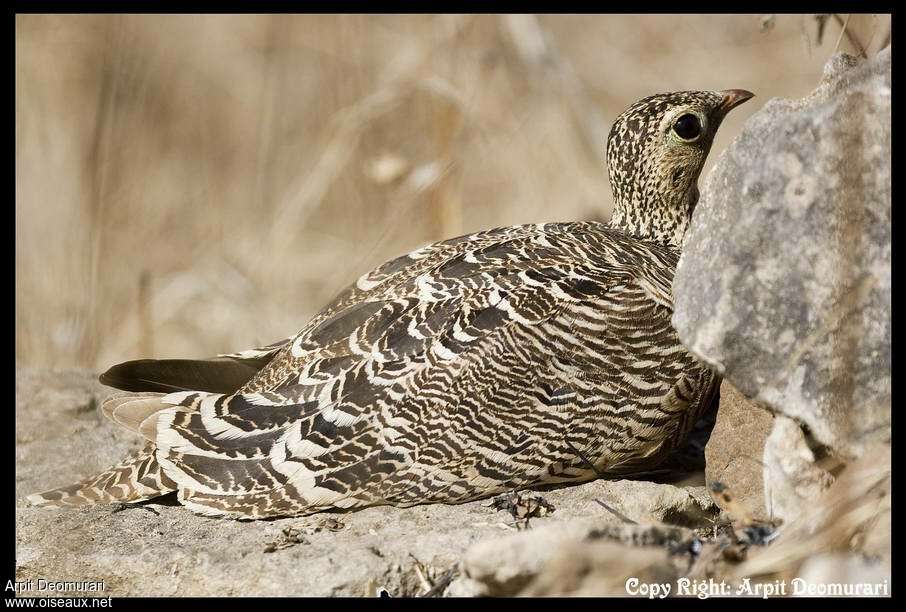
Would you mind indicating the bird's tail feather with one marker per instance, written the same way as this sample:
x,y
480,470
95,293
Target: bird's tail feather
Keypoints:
x,y
217,375
130,410
146,382
221,374
135,479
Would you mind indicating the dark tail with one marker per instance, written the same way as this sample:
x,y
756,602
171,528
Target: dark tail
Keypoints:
x,y
221,374
217,375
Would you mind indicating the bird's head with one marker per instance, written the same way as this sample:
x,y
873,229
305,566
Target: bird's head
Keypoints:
x,y
655,153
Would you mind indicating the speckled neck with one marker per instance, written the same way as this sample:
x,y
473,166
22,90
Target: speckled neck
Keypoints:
x,y
659,221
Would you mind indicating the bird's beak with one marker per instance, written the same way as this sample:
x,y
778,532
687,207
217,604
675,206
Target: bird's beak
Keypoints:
x,y
732,99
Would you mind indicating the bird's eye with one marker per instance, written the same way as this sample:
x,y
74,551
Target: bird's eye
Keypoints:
x,y
687,127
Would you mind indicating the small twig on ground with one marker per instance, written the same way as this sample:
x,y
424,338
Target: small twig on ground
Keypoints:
x,y
616,513
585,460
122,507
442,583
426,584
419,571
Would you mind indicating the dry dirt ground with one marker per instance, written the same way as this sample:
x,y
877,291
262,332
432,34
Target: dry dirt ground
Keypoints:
x,y
163,549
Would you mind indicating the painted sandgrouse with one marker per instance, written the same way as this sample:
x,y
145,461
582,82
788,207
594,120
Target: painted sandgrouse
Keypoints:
x,y
494,361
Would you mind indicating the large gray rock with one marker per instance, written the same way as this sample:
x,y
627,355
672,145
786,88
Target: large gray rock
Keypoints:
x,y
784,284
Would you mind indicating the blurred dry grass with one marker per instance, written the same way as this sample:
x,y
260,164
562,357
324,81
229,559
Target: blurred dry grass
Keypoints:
x,y
190,185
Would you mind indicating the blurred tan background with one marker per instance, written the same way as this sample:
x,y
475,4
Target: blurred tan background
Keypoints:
x,y
192,185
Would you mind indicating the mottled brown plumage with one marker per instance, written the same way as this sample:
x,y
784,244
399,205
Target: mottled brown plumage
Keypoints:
x,y
499,360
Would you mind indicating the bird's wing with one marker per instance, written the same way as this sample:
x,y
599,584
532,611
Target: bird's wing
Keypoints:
x,y
406,276
454,376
